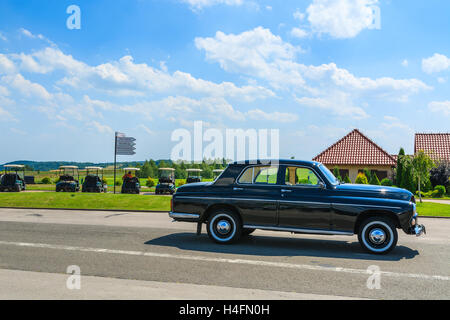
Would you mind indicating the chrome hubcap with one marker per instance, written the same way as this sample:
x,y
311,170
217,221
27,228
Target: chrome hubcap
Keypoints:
x,y
223,227
377,236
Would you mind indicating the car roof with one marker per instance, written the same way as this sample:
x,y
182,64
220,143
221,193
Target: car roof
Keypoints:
x,y
167,169
131,169
93,168
68,167
194,170
275,162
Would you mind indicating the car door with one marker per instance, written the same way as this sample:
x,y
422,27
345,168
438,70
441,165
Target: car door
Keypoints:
x,y
304,199
256,193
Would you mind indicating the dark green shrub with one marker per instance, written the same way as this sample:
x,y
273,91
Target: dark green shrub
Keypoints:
x,y
337,173
46,180
118,183
347,179
374,180
440,191
386,182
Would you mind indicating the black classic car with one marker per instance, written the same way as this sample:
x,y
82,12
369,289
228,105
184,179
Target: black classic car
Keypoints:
x,y
298,197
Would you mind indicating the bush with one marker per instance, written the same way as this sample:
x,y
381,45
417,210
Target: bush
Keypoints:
x,y
374,180
46,180
440,191
118,183
180,182
361,179
387,182
347,179
150,182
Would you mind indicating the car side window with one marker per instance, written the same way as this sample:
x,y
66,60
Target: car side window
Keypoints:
x,y
259,175
297,176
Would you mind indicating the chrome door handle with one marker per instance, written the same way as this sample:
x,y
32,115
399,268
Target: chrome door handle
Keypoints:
x,y
285,190
238,189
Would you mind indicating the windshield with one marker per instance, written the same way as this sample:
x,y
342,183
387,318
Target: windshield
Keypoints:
x,y
330,176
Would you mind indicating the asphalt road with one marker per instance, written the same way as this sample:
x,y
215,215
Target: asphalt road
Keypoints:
x,y
146,256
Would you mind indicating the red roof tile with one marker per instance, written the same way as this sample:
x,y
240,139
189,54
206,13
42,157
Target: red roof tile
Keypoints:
x,y
355,149
436,145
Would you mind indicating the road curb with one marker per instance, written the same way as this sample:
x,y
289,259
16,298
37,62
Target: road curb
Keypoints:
x,y
137,211
96,210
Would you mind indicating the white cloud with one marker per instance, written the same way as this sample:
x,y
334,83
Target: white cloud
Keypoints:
x,y
299,15
6,65
405,63
341,18
299,33
4,115
3,37
26,87
338,103
282,117
436,63
102,128
125,77
440,106
200,4
259,53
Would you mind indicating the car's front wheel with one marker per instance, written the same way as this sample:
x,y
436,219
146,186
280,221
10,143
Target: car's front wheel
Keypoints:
x,y
224,227
378,235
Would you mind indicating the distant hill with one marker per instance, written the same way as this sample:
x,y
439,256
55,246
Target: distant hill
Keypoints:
x,y
53,165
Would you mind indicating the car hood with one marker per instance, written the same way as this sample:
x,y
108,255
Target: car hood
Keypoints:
x,y
364,190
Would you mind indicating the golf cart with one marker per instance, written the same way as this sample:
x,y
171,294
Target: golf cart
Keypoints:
x,y
13,179
166,181
217,173
131,183
194,175
93,182
67,181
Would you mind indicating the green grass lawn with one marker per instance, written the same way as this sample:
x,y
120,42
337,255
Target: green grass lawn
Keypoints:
x,y
84,201
430,209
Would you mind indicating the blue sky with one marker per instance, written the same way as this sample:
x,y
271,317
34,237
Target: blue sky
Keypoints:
x,y
314,69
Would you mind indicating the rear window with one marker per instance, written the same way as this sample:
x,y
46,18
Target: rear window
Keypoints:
x,y
259,175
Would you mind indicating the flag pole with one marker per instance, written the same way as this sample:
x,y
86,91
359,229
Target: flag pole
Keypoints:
x,y
115,157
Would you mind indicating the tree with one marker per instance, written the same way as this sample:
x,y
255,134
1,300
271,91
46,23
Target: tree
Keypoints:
x,y
347,179
337,174
400,167
441,174
368,174
421,164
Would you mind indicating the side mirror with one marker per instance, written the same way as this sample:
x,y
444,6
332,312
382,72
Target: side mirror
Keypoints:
x,y
322,185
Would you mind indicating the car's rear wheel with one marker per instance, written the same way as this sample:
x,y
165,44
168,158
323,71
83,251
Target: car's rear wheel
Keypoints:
x,y
224,227
378,235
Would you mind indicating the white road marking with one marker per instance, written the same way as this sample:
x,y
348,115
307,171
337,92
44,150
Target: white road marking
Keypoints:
x,y
223,260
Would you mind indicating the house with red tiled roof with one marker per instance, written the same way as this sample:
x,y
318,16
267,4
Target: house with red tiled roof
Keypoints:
x,y
356,152
436,145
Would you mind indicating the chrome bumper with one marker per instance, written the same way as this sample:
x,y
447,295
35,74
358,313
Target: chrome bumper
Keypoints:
x,y
180,215
418,229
